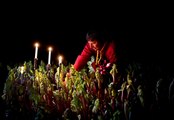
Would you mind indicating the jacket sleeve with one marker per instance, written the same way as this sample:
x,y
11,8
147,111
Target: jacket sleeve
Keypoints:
x,y
83,58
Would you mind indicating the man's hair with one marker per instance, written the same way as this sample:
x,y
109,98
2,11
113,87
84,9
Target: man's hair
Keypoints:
x,y
95,35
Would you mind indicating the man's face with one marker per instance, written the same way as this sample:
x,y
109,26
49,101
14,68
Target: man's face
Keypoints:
x,y
94,44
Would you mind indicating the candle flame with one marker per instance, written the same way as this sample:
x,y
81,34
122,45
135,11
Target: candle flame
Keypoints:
x,y
36,44
50,48
60,59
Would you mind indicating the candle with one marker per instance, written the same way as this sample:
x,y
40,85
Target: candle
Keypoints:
x,y
59,67
60,59
36,50
22,76
49,55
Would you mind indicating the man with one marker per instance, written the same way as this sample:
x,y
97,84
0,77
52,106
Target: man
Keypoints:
x,y
100,46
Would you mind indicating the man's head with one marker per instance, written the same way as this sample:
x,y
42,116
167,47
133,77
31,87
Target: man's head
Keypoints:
x,y
95,40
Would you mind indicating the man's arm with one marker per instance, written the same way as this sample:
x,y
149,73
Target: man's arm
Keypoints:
x,y
83,58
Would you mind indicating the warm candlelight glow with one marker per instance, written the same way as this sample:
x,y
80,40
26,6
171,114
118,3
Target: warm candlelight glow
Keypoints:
x,y
60,59
49,55
36,49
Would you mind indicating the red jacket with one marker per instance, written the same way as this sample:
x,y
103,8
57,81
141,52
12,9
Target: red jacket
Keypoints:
x,y
109,53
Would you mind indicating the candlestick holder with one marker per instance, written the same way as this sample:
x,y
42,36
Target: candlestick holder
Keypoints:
x,y
35,63
48,67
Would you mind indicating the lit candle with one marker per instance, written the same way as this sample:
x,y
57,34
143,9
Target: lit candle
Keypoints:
x,y
36,50
60,66
49,55
60,59
22,76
